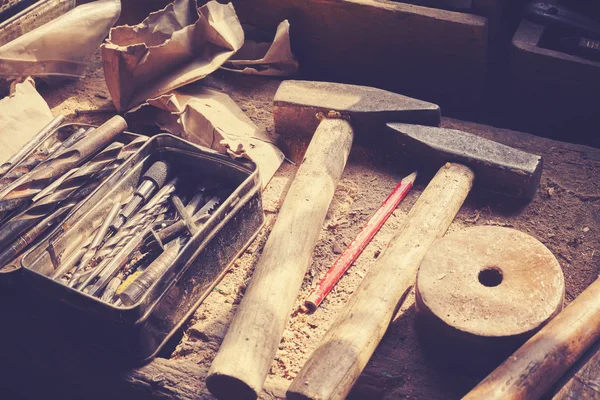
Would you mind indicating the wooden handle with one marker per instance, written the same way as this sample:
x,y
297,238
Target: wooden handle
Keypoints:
x,y
243,361
346,348
534,368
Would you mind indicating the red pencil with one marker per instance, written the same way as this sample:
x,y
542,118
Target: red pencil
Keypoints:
x,y
359,243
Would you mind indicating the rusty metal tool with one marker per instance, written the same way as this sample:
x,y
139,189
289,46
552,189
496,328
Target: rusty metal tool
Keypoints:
x,y
64,189
32,161
99,236
40,137
345,260
22,191
359,327
241,366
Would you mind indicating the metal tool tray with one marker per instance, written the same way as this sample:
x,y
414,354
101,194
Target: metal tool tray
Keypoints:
x,y
9,275
136,333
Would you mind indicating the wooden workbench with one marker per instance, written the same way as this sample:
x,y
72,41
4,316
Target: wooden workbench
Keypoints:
x,y
564,215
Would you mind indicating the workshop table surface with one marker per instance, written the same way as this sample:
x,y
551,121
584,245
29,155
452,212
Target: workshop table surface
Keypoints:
x,y
564,215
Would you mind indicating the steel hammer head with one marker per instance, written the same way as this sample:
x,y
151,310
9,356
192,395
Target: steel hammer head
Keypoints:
x,y
498,168
296,104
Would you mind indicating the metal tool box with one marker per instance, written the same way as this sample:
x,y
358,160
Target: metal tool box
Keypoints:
x,y
136,333
9,274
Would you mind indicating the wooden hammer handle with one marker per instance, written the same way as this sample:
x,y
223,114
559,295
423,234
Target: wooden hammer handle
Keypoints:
x,y
346,348
534,368
243,361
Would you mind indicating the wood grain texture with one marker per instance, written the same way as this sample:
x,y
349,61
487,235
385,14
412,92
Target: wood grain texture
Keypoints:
x,y
583,381
534,368
434,55
335,365
242,363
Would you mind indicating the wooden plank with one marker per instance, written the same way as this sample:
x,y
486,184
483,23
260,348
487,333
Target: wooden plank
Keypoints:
x,y
430,54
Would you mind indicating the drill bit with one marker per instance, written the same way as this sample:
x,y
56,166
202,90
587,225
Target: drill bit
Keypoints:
x,y
152,273
69,189
112,267
148,213
40,137
99,235
30,236
152,180
74,180
93,247
22,192
39,156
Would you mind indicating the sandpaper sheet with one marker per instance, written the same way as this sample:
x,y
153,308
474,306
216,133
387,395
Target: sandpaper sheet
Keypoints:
x,y
263,54
63,46
22,115
173,47
211,119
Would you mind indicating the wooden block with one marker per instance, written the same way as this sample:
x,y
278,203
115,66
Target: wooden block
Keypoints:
x,y
434,55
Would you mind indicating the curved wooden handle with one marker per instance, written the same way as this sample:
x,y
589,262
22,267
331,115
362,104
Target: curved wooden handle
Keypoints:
x,y
346,348
534,368
243,361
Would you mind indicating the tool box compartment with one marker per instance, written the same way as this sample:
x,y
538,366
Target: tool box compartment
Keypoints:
x,y
9,273
552,93
90,326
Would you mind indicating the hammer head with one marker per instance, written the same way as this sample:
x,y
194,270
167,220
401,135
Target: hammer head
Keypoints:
x,y
297,103
498,168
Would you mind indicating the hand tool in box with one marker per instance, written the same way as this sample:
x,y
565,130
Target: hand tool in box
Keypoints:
x,y
176,239
242,363
359,327
22,191
533,369
35,141
345,260
134,245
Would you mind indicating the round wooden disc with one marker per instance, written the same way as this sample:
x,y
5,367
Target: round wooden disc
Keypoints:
x,y
488,286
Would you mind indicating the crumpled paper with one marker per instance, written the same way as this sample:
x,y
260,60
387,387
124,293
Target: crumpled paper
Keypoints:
x,y
22,115
171,48
264,55
211,119
62,46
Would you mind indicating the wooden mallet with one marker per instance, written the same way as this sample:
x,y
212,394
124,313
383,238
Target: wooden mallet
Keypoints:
x,y
343,353
243,361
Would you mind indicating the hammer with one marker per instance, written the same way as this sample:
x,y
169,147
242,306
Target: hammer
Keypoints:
x,y
243,361
344,351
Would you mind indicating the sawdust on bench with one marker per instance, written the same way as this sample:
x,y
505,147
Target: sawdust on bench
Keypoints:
x,y
564,215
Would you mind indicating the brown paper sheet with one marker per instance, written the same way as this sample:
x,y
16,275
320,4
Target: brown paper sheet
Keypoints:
x,y
264,55
212,119
62,46
171,48
22,115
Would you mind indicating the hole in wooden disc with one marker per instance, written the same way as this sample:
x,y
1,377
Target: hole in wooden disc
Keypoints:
x,y
490,276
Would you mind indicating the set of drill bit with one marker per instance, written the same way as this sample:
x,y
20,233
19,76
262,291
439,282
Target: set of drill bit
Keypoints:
x,y
46,179
139,238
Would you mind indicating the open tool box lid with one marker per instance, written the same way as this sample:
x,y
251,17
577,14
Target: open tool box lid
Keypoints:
x,y
137,332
